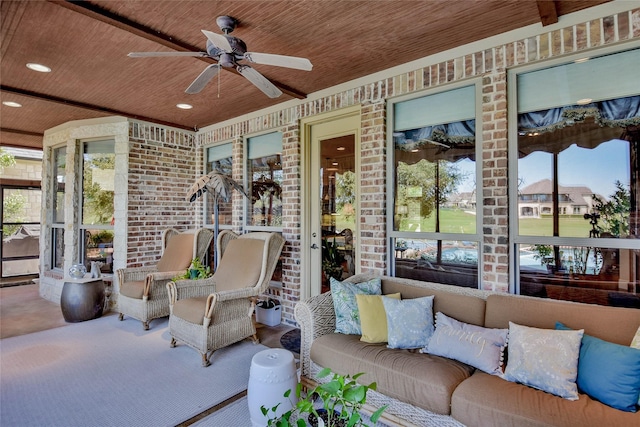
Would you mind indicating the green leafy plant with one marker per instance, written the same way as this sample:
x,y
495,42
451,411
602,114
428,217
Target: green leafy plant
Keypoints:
x,y
342,398
332,259
196,271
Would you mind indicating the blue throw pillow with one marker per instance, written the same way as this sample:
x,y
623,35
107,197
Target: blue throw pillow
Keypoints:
x,y
346,306
409,321
608,372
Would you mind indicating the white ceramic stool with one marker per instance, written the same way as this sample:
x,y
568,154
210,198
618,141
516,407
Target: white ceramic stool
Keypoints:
x,y
272,373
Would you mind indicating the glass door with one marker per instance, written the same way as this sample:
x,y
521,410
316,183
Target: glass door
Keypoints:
x,y
330,200
337,208
20,250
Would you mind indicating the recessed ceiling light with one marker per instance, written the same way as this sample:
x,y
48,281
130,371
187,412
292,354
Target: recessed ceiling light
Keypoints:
x,y
415,150
335,163
584,101
38,67
11,104
184,106
341,148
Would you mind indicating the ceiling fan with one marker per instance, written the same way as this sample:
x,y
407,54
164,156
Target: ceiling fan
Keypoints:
x,y
228,51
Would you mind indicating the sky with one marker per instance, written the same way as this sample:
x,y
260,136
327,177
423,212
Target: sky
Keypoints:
x,y
596,168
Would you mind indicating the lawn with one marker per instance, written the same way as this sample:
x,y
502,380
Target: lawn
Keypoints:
x,y
460,221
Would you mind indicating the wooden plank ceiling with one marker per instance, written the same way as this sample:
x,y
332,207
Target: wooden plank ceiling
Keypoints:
x,y
85,43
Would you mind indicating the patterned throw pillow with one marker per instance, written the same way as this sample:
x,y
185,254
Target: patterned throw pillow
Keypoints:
x,y
474,345
345,305
545,359
409,321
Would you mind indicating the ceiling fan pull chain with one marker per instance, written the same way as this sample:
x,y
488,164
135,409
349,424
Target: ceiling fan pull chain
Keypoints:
x,y
219,85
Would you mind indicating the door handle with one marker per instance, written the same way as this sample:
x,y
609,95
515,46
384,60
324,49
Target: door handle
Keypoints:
x,y
314,246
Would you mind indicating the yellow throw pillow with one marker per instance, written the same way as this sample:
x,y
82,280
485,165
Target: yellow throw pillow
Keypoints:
x,y
373,318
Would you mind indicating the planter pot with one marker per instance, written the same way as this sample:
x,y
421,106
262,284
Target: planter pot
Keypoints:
x,y
269,316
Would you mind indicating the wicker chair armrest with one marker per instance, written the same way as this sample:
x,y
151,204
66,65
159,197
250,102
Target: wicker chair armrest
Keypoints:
x,y
156,283
183,289
219,297
134,274
316,317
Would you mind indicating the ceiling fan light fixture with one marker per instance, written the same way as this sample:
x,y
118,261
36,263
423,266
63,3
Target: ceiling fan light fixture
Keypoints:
x,y
11,104
184,106
38,67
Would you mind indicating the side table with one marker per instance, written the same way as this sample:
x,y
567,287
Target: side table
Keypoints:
x,y
82,299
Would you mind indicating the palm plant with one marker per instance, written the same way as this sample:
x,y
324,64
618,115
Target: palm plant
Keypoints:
x,y
220,186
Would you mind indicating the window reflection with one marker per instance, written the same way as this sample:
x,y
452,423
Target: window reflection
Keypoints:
x,y
452,262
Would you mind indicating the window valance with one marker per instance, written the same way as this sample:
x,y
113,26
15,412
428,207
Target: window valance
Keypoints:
x,y
450,141
620,112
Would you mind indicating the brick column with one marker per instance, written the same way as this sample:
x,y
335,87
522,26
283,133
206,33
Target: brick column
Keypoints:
x,y
373,234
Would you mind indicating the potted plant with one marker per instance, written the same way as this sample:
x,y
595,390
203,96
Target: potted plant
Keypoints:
x,y
332,259
196,271
337,402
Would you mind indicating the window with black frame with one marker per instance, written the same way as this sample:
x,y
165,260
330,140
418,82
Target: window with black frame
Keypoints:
x,y
434,236
578,181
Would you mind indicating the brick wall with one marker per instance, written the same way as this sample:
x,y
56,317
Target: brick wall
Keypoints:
x,y
161,170
491,65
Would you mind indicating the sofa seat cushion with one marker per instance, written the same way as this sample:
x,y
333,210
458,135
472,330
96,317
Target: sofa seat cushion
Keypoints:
x,y
191,309
422,380
133,289
498,402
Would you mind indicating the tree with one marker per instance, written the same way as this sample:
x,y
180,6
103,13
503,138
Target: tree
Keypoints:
x,y
6,159
436,180
97,203
346,193
12,207
614,214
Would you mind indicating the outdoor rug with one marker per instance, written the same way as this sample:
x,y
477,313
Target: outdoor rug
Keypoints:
x,y
291,340
236,415
105,372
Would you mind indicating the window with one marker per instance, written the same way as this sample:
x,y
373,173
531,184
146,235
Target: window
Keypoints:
x,y
57,227
98,174
577,149
264,187
219,158
434,226
264,174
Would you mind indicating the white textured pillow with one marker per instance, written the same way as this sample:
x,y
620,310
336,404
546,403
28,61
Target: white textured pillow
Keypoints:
x,y
474,345
545,359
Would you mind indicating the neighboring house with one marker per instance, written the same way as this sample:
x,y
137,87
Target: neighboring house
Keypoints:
x,y
463,200
537,199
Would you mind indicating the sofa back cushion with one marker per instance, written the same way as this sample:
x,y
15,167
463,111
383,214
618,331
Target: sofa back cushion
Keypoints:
x,y
613,324
178,253
463,307
240,265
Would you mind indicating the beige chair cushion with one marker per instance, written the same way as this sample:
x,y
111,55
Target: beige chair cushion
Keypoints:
x,y
191,309
178,253
132,289
234,272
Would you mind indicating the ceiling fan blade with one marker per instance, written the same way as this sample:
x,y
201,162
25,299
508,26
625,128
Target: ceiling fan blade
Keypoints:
x,y
260,81
159,54
201,81
279,60
218,40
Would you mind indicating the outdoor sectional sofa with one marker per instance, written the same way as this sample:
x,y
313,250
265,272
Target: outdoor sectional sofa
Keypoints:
x,y
429,390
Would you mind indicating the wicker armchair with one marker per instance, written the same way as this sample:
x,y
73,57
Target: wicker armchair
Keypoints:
x,y
213,313
143,294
